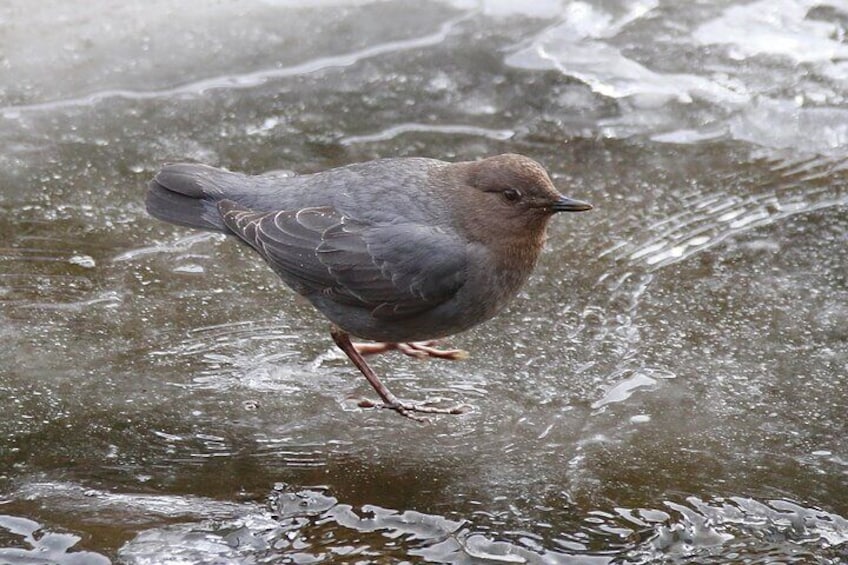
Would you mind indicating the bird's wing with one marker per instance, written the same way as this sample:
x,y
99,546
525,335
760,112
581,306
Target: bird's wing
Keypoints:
x,y
395,270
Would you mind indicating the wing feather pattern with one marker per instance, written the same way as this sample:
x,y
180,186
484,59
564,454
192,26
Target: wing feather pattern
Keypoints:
x,y
394,270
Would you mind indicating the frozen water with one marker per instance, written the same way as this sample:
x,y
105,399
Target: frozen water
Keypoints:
x,y
670,386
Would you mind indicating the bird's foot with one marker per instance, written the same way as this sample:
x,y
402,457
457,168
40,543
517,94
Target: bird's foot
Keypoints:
x,y
417,349
407,409
413,410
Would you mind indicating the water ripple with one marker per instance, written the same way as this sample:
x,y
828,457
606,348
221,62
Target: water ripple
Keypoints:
x,y
223,347
710,219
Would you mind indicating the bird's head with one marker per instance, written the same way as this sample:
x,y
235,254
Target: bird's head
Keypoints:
x,y
511,196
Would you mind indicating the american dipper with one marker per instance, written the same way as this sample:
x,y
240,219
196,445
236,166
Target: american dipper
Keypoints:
x,y
394,250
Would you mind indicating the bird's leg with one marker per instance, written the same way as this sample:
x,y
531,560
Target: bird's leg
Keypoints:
x,y
417,349
391,401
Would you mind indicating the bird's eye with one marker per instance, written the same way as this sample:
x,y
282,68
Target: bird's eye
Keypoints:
x,y
511,195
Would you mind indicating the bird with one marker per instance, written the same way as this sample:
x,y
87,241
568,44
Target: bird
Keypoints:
x,y
401,251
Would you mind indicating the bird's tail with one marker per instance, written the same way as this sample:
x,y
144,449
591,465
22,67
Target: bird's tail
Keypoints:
x,y
187,194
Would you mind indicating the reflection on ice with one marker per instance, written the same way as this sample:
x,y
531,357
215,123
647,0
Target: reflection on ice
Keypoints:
x,y
782,28
815,130
43,546
240,81
728,93
401,129
623,389
181,245
579,48
311,525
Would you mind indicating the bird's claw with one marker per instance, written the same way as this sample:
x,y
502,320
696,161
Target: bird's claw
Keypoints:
x,y
413,410
424,349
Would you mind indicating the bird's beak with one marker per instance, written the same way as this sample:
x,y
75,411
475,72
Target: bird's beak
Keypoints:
x,y
566,204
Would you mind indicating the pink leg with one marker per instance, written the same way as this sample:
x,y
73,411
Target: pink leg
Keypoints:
x,y
391,401
417,349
